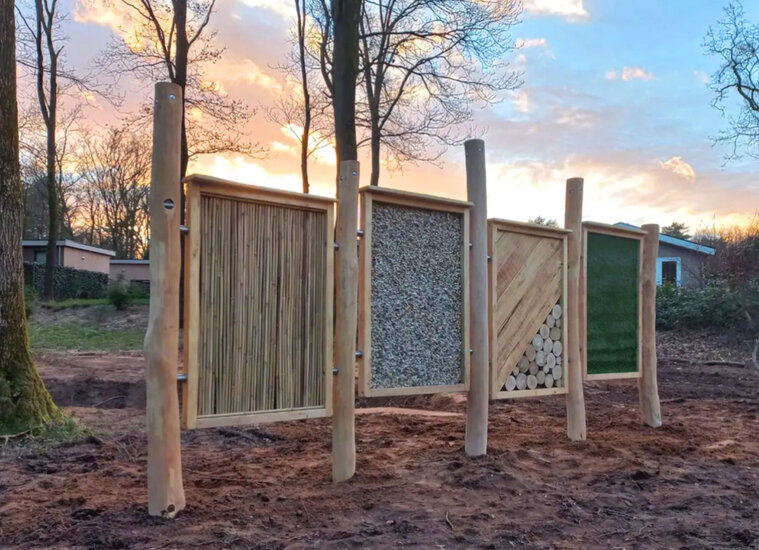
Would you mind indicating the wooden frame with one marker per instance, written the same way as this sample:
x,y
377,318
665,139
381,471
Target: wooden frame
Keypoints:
x,y
369,195
614,231
494,226
196,187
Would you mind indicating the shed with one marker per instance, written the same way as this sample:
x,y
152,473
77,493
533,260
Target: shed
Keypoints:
x,y
131,271
680,262
70,254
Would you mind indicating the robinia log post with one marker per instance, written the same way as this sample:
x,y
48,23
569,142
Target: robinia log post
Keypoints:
x,y
165,490
477,398
650,408
576,429
346,319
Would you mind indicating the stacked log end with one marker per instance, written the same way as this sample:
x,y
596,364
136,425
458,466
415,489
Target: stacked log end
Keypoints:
x,y
541,364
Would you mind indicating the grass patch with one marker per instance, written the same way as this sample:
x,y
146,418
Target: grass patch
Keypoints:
x,y
62,431
87,302
74,335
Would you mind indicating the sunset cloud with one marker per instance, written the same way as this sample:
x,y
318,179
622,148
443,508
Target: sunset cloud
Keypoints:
x,y
245,71
630,73
679,167
571,10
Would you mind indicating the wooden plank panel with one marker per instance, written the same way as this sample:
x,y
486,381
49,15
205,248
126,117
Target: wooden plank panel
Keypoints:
x,y
527,280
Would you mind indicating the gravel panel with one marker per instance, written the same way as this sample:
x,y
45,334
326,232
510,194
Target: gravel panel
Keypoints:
x,y
417,297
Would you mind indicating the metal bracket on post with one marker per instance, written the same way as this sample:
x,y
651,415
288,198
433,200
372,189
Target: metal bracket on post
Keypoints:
x,y
360,233
183,229
359,353
336,245
181,377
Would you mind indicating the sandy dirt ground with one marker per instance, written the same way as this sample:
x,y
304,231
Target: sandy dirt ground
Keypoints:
x,y
690,484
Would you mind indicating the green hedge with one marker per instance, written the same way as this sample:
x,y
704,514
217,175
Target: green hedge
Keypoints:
x,y
718,304
69,282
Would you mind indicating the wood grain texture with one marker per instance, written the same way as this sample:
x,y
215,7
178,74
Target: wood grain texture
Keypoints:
x,y
650,407
527,278
165,489
576,421
476,442
346,324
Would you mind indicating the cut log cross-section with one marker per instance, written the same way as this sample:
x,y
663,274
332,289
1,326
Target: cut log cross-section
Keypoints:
x,y
528,275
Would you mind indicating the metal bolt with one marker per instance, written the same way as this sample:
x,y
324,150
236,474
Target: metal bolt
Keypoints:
x,y
335,370
359,353
337,245
360,232
184,229
172,97
168,204
471,350
470,245
181,377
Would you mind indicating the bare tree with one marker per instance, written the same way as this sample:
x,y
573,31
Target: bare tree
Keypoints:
x,y
305,114
735,42
172,41
42,54
425,65
34,173
24,402
115,170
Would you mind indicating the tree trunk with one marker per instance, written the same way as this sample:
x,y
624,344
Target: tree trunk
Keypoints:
x,y
180,77
300,10
345,14
49,105
53,226
24,401
375,145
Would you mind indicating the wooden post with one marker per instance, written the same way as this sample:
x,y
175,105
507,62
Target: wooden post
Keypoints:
x,y
165,490
346,318
650,409
477,398
576,429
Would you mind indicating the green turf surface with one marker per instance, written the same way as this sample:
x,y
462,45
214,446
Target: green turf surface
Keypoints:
x,y
612,298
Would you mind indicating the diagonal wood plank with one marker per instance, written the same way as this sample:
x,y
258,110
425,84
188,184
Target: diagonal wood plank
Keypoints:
x,y
528,283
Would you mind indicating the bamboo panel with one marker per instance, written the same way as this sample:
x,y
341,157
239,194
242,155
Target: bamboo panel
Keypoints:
x,y
262,324
527,278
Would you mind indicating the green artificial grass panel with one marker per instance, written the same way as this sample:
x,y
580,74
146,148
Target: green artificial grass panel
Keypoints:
x,y
612,304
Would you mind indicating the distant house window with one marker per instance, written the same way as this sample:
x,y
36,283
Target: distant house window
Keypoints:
x,y
40,257
669,271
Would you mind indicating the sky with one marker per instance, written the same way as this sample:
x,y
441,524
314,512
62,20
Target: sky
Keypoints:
x,y
614,91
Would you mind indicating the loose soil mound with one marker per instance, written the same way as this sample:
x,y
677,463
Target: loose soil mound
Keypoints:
x,y
690,484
